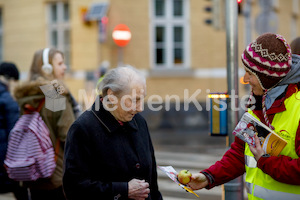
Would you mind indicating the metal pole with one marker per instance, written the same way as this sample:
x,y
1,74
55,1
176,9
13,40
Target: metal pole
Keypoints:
x,y
248,24
120,56
233,190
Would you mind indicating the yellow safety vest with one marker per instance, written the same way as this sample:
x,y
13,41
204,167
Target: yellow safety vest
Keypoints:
x,y
260,185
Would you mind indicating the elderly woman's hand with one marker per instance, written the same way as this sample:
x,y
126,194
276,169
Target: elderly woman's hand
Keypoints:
x,y
138,189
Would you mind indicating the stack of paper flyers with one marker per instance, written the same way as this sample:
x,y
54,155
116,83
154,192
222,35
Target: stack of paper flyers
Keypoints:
x,y
171,172
249,126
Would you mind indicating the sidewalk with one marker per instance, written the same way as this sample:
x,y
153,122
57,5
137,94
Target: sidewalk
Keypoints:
x,y
7,196
181,141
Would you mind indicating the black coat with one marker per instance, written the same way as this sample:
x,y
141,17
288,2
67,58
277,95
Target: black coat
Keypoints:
x,y
102,156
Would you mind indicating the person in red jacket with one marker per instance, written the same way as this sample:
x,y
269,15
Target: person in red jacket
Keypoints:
x,y
274,75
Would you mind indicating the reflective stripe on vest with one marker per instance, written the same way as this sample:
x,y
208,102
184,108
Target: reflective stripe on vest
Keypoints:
x,y
249,187
264,193
250,161
260,185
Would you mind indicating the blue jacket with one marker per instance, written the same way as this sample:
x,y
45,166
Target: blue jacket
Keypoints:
x,y
9,114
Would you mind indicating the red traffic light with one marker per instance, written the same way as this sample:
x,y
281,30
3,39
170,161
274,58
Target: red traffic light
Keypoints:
x,y
239,1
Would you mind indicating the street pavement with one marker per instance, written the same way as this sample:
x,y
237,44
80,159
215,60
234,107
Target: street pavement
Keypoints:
x,y
7,196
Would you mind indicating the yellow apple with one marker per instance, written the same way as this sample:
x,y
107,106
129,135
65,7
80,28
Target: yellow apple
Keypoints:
x,y
184,176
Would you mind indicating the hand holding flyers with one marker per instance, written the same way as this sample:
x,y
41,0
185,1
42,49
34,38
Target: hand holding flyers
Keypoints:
x,y
171,172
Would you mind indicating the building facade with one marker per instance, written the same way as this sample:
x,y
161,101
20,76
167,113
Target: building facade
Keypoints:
x,y
180,45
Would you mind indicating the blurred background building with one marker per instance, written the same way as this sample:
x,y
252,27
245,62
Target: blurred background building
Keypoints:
x,y
180,45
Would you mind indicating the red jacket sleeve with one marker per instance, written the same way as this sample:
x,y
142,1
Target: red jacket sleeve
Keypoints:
x,y
231,166
283,168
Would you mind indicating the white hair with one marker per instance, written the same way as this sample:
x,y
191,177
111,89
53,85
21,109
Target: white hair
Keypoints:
x,y
120,79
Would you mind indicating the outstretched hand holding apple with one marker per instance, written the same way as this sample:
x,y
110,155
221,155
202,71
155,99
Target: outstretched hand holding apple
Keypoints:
x,y
184,176
198,181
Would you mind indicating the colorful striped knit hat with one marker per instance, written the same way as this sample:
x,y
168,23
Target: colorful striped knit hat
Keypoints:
x,y
269,58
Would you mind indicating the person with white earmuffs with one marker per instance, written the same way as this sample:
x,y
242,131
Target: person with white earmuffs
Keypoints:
x,y
48,69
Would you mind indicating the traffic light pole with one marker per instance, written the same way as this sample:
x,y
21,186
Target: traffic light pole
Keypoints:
x,y
120,56
233,190
248,24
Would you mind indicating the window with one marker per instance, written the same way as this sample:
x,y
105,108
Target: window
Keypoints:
x,y
1,37
59,28
170,34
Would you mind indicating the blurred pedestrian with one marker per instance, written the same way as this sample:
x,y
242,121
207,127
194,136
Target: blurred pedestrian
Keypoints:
x,y
48,68
109,153
101,71
9,114
295,46
274,80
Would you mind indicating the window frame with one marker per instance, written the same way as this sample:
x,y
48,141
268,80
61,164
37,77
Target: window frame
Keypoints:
x,y
60,26
169,21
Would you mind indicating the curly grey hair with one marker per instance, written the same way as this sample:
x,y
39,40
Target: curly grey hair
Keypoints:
x,y
119,80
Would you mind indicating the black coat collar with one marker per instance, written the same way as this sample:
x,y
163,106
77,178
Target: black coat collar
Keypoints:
x,y
108,120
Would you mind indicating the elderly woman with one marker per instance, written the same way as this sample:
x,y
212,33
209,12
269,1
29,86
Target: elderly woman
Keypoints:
x,y
108,152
